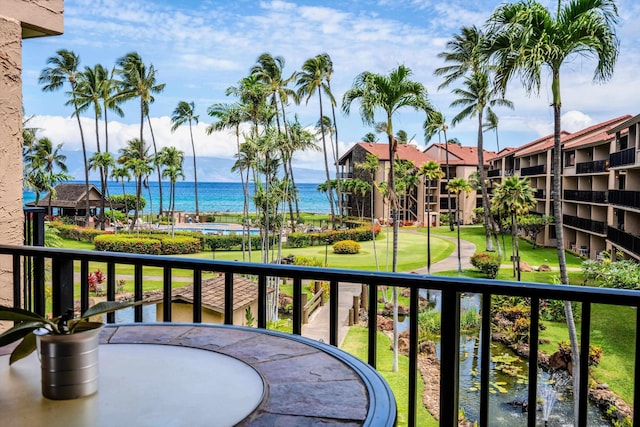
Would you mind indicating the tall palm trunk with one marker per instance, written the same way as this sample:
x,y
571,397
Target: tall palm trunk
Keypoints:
x,y
394,247
326,161
428,226
557,212
483,186
336,157
195,171
84,156
155,152
136,212
448,176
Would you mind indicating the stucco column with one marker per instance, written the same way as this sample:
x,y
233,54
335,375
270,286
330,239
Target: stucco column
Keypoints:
x,y
11,215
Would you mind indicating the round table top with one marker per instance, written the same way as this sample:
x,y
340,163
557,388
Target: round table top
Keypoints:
x,y
232,376
140,385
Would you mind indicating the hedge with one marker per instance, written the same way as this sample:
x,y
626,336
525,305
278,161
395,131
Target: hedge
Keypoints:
x,y
489,264
159,245
346,247
74,232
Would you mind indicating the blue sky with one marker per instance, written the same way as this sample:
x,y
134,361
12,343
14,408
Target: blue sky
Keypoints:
x,y
200,48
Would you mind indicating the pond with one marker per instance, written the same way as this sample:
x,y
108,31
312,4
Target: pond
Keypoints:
x,y
508,384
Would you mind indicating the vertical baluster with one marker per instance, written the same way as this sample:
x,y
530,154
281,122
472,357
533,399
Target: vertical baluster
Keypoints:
x,y
228,298
111,288
297,306
84,285
137,292
372,324
16,283
485,359
413,355
167,296
62,284
583,387
333,313
533,360
262,301
197,296
449,358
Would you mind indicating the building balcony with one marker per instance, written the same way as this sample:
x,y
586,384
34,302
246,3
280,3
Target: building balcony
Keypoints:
x,y
586,196
622,158
628,241
597,227
494,172
625,198
596,166
540,194
533,170
28,283
344,175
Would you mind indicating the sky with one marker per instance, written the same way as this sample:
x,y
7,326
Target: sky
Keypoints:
x,y
201,47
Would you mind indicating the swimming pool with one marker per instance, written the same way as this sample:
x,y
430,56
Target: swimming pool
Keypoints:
x,y
220,229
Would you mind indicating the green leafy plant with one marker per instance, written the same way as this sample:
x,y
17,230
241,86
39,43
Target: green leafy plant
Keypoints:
x,y
27,322
346,247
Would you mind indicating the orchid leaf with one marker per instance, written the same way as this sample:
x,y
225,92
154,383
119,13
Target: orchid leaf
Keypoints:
x,y
18,314
25,348
19,331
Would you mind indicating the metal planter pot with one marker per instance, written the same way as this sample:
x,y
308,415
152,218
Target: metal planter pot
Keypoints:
x,y
69,363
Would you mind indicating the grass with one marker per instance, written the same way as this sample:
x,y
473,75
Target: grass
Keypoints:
x,y
356,343
533,257
412,249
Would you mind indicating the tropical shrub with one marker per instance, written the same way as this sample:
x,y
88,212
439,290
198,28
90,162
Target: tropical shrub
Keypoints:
x,y
428,325
346,247
444,219
478,215
298,240
74,232
489,264
154,245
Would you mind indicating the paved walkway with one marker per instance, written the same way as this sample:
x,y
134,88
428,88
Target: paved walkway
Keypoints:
x,y
318,326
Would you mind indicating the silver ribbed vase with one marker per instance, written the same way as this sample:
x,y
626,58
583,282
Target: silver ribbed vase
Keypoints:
x,y
69,363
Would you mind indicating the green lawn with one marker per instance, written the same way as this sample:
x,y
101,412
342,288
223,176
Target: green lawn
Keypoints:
x,y
356,343
412,253
533,257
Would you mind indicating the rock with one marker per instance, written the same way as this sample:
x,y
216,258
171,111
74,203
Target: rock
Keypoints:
x,y
384,323
544,267
525,267
556,361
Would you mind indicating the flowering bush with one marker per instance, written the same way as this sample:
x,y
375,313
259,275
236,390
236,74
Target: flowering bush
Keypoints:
x,y
489,264
96,279
346,247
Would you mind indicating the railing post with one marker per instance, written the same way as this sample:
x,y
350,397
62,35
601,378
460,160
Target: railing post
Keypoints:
x,y
62,285
533,360
485,359
197,296
333,313
262,301
372,324
137,292
297,306
413,356
228,298
167,296
583,387
449,358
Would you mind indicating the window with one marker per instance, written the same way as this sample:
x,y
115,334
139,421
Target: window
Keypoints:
x,y
517,164
569,158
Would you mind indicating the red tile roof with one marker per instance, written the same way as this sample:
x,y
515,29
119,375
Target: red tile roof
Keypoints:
x,y
405,152
464,155
594,134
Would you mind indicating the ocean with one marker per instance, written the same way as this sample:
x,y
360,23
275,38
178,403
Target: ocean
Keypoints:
x,y
212,196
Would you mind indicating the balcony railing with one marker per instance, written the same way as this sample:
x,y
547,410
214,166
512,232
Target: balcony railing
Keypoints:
x,y
592,167
62,261
586,196
622,157
499,172
540,194
533,170
598,227
623,239
345,175
625,198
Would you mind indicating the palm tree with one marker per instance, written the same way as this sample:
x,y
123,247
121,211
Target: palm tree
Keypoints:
x,y
120,174
431,171
102,161
388,93
525,38
139,81
171,160
41,165
470,63
90,89
184,113
134,156
370,137
64,67
458,186
514,197
370,166
491,123
310,80
436,123
300,139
